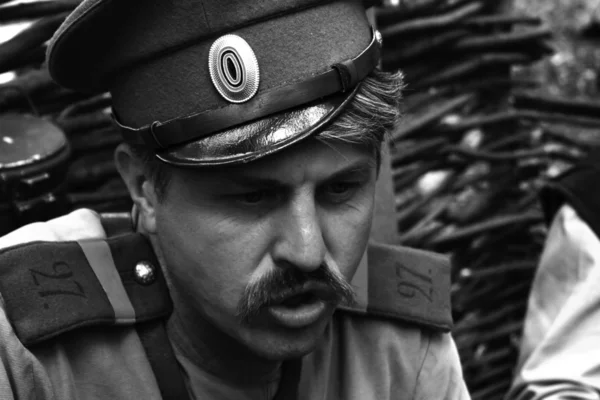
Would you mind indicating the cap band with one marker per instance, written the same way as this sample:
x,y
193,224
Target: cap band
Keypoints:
x,y
340,78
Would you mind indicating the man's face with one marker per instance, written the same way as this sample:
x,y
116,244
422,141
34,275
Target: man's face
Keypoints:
x,y
263,240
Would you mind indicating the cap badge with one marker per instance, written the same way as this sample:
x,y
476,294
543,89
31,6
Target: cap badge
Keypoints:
x,y
233,68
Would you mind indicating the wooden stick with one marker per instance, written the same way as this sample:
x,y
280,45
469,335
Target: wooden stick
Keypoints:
x,y
28,39
521,115
490,241
499,40
416,102
565,138
391,15
486,226
517,138
30,82
495,84
483,175
513,155
95,103
36,9
97,139
587,121
401,182
562,105
419,48
30,58
416,123
490,358
502,269
420,228
503,294
479,121
415,236
415,70
424,149
409,212
424,24
55,102
479,203
489,318
497,389
484,21
85,122
485,377
476,299
466,67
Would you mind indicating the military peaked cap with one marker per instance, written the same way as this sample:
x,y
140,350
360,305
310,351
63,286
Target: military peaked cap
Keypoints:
x,y
210,82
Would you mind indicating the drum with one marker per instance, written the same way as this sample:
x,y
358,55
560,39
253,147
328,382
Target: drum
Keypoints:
x,y
34,155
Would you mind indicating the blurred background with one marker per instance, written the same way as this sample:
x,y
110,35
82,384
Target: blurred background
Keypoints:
x,y
573,69
501,96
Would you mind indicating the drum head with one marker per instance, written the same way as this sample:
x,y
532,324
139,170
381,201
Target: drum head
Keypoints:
x,y
26,140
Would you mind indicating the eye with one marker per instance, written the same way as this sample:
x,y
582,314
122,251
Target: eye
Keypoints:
x,y
253,197
257,197
338,192
340,187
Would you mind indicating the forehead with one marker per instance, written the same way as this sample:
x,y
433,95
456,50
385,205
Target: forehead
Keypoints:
x,y
309,160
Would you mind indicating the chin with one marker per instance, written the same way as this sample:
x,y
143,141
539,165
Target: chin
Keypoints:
x,y
281,345
285,351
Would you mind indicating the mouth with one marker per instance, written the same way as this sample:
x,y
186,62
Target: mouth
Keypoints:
x,y
299,299
301,307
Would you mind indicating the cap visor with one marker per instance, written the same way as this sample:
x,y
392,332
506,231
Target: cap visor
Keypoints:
x,y
260,138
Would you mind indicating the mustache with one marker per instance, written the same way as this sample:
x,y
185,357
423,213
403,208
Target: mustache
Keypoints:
x,y
280,280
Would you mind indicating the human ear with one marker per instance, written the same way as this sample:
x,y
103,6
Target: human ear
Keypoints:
x,y
142,192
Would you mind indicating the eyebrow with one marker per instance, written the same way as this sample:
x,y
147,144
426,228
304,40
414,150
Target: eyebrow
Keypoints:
x,y
360,167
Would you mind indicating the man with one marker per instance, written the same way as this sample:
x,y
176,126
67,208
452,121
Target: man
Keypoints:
x,y
252,134
559,351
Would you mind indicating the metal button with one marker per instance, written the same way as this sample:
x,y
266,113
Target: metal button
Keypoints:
x,y
145,273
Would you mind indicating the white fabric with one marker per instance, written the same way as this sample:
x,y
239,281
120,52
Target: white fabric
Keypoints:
x,y
81,224
560,350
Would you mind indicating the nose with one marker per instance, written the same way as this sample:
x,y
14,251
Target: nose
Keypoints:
x,y
300,240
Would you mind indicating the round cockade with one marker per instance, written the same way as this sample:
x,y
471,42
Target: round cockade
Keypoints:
x,y
234,68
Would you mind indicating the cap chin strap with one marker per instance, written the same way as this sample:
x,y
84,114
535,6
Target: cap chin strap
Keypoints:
x,y
341,77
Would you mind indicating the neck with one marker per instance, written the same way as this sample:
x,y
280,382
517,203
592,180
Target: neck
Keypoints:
x,y
209,348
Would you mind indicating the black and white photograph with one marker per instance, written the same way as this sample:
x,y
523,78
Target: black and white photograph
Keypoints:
x,y
300,199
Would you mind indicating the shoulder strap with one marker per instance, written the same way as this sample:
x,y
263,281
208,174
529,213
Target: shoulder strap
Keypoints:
x,y
50,288
53,287
162,359
578,187
404,284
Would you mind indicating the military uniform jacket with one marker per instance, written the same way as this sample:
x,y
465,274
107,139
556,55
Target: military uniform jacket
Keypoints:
x,y
76,324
